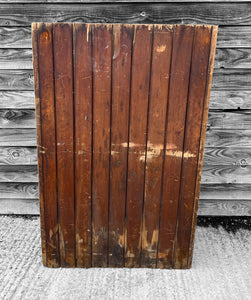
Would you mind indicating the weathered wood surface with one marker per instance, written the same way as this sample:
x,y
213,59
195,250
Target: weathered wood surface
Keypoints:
x,y
17,100
16,118
79,131
206,207
22,174
19,190
228,58
117,1
223,79
159,13
18,137
18,156
228,37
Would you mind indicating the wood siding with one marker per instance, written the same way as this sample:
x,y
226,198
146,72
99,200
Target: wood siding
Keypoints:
x,y
226,176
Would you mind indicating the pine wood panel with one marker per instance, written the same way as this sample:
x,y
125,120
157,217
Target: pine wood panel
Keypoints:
x,y
108,117
18,156
13,118
15,37
230,99
19,206
21,190
159,13
16,80
21,174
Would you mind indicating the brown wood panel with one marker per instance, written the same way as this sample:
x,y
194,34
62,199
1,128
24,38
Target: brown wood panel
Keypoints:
x,y
102,58
160,69
202,143
141,64
63,66
197,88
176,119
18,173
17,100
83,141
121,78
17,118
45,112
18,156
159,13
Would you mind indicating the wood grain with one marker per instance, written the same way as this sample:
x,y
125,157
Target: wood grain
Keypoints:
x,y
141,64
63,76
176,119
159,13
160,73
19,206
102,57
82,49
17,100
121,79
15,37
18,156
10,173
230,99
194,114
16,80
17,118
45,116
15,59
18,137
19,190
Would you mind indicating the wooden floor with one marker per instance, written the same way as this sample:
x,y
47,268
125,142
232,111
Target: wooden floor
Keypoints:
x,y
226,174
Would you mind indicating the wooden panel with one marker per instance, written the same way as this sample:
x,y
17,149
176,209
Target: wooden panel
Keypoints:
x,y
83,141
19,206
45,117
137,141
16,80
230,99
228,138
160,73
62,46
178,93
117,1
160,13
102,56
20,174
13,118
239,119
224,208
121,78
18,137
17,100
197,90
19,190
15,37
18,156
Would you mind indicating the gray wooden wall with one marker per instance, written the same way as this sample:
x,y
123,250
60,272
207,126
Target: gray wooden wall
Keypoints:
x,y
226,180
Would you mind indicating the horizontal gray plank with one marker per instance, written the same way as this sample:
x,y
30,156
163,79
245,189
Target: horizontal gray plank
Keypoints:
x,y
21,190
235,120
18,173
206,207
170,13
230,58
224,208
214,138
223,79
18,156
228,37
231,99
116,1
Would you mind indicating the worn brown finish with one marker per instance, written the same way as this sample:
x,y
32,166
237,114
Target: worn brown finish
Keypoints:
x,y
121,122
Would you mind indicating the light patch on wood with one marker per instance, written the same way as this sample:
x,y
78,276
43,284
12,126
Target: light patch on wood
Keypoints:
x,y
87,32
161,48
148,245
177,153
78,239
116,45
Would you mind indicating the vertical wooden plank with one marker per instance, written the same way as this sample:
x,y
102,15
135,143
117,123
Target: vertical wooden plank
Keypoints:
x,y
35,27
122,44
141,62
162,47
178,93
82,49
63,67
102,52
198,77
46,140
202,140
